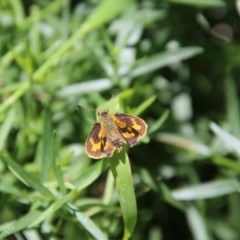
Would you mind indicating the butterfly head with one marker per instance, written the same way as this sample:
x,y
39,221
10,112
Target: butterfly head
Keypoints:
x,y
103,113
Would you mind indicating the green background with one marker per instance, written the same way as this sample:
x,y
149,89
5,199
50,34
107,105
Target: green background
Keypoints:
x,y
175,63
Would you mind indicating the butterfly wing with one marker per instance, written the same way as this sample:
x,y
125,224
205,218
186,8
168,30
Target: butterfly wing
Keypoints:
x,y
97,145
132,128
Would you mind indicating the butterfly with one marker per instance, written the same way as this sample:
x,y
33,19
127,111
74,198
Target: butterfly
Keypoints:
x,y
111,132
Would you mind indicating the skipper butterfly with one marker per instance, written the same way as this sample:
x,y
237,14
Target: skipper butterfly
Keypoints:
x,y
112,132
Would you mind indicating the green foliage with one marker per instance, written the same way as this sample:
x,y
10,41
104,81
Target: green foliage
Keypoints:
x,y
174,63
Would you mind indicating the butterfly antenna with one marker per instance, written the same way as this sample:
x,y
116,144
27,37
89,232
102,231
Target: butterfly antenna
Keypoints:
x,y
115,92
79,107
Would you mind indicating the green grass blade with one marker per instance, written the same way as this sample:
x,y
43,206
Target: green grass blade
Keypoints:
x,y
60,179
15,96
163,191
18,225
77,89
90,226
197,223
108,191
10,55
232,101
226,163
184,143
200,3
57,169
18,9
104,12
6,187
143,106
5,128
159,122
164,59
26,178
231,143
207,190
47,149
90,175
121,170
50,211
50,9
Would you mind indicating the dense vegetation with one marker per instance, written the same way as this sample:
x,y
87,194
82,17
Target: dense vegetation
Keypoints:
x,y
174,63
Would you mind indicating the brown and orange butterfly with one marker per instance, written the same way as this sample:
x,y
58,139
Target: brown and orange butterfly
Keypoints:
x,y
112,132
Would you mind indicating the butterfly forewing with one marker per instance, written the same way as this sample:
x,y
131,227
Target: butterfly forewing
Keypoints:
x,y
132,128
97,146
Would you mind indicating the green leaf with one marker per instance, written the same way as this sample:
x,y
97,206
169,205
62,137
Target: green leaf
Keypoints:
x,y
90,226
47,147
207,190
5,128
232,101
183,143
121,170
18,225
113,105
77,89
226,163
90,175
164,59
108,191
59,177
103,13
15,96
143,106
161,189
159,122
26,178
200,3
18,8
231,143
197,223
50,210
106,11
6,187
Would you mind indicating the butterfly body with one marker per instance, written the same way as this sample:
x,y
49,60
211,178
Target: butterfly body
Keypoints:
x,y
112,132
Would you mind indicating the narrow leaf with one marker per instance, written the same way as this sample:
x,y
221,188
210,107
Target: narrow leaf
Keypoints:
x,y
20,224
207,190
49,211
121,170
26,178
90,226
47,149
200,3
164,59
230,142
232,104
5,128
197,223
90,175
